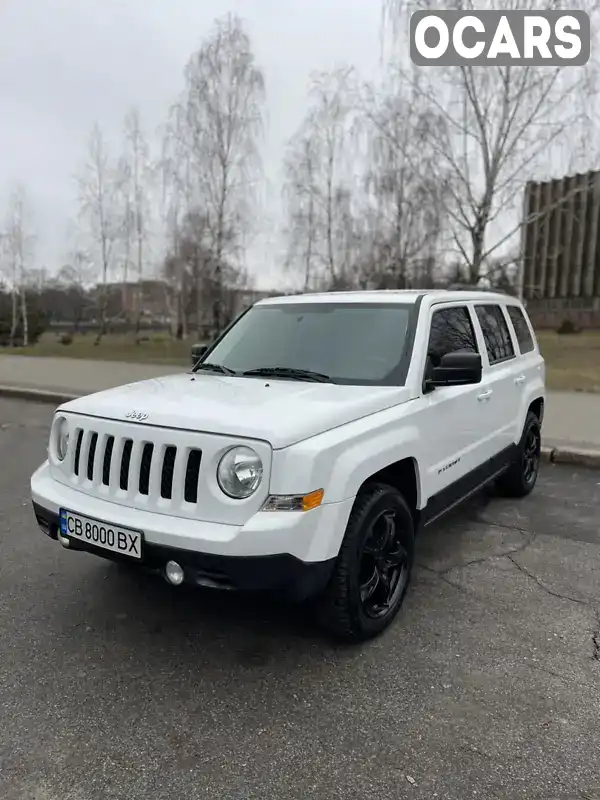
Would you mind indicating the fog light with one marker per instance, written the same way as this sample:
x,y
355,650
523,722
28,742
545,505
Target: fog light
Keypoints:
x,y
64,540
174,573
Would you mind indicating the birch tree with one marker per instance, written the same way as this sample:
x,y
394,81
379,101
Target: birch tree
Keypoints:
x,y
99,188
18,244
76,276
136,183
320,185
300,193
176,198
405,200
221,109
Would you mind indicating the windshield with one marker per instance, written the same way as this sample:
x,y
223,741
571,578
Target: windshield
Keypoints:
x,y
351,343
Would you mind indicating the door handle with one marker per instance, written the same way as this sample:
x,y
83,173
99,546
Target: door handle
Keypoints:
x,y
484,395
520,380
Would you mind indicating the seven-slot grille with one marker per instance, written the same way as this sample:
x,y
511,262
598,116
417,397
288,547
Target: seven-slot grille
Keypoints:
x,y
127,465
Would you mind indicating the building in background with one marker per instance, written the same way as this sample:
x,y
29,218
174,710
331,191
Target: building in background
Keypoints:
x,y
243,298
125,296
560,276
123,299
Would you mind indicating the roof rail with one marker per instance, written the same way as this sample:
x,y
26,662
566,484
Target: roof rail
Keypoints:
x,y
471,287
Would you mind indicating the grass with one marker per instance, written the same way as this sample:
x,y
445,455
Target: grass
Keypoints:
x,y
159,348
572,361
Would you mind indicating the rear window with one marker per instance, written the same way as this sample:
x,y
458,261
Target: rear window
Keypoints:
x,y
524,337
495,332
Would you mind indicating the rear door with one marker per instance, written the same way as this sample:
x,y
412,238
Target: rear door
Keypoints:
x,y
500,370
530,361
530,376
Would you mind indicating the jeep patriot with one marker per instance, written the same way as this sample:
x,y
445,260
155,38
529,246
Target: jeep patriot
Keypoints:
x,y
306,448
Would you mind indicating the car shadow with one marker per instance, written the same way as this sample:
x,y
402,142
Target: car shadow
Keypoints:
x,y
116,599
446,535
142,611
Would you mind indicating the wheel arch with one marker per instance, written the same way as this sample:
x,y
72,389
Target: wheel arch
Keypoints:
x,y
402,475
534,401
537,406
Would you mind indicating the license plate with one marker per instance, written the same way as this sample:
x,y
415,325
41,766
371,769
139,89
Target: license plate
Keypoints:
x,y
125,541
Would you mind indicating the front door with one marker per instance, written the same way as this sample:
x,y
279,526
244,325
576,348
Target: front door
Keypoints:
x,y
455,431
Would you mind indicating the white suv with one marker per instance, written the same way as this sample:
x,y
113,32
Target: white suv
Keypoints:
x,y
306,448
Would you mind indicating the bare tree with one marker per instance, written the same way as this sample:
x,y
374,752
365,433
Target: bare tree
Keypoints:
x,y
18,246
6,282
189,272
196,256
100,187
321,184
77,275
176,198
330,121
494,127
220,113
136,183
405,200
36,279
300,193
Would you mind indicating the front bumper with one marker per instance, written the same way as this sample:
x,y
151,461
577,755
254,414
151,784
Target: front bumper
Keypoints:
x,y
283,574
289,552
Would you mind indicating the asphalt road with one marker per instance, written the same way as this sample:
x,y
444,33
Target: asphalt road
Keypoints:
x,y
487,686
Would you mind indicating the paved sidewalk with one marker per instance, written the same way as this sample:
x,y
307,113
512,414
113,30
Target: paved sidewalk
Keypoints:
x,y
74,375
572,418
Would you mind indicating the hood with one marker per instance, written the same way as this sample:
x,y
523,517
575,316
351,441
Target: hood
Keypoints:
x,y
280,412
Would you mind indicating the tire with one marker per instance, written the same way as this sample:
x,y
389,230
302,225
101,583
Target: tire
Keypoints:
x,y
520,478
380,514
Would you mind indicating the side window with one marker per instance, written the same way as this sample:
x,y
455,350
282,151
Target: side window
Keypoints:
x,y
451,330
495,332
526,343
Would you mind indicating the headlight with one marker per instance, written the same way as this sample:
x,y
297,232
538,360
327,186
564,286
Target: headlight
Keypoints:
x,y
240,472
62,439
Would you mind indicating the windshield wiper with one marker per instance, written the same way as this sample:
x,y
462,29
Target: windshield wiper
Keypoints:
x,y
215,368
289,372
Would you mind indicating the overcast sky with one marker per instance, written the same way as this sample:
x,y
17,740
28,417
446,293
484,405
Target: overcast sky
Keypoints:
x,y
66,63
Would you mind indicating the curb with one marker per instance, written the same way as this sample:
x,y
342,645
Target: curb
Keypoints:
x,y
574,456
37,395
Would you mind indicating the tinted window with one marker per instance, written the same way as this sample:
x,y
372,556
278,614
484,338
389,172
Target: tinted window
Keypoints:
x,y
495,332
352,343
524,337
451,330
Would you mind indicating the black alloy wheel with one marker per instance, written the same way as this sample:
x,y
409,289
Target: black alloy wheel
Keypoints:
x,y
373,568
521,477
531,453
384,565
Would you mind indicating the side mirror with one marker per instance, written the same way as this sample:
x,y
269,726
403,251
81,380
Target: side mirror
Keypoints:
x,y
198,351
457,369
